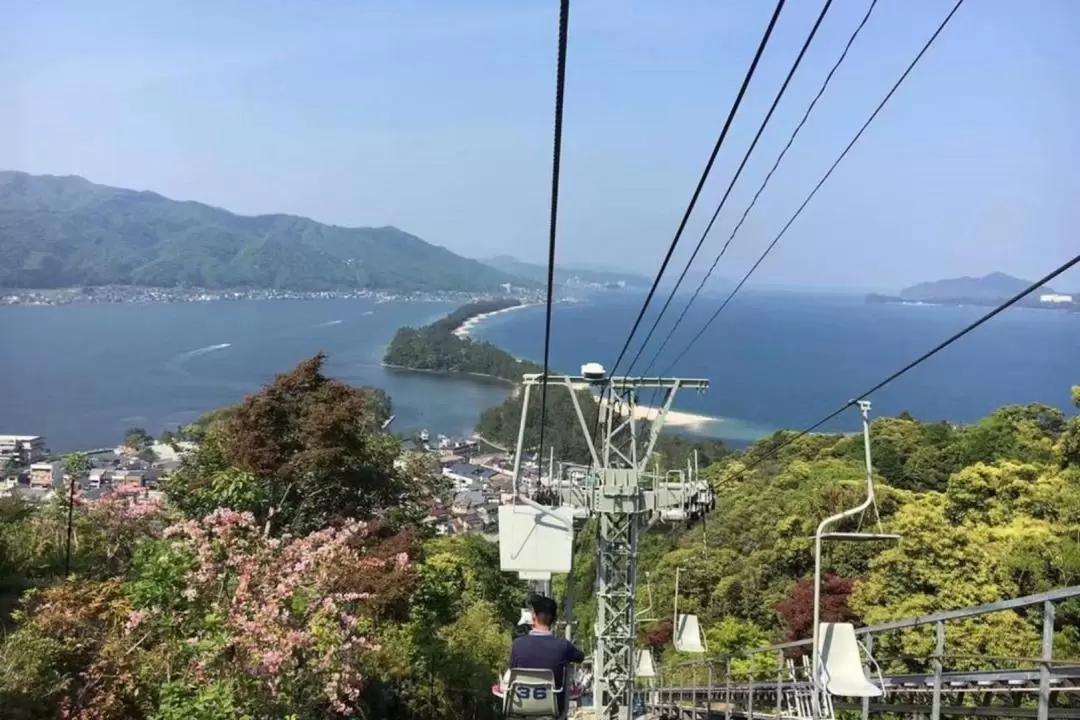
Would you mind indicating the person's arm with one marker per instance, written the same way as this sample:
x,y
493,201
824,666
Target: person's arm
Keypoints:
x,y
573,653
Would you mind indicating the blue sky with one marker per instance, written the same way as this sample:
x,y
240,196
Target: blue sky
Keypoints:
x,y
436,117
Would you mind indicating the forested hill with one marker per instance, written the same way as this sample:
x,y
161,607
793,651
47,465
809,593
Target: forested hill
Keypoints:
x,y
994,287
436,347
985,512
68,232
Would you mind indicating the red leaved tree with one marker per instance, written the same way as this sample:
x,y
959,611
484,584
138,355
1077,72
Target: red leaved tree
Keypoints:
x,y
797,612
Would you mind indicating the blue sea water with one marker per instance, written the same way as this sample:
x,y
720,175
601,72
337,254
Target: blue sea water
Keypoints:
x,y
82,374
781,360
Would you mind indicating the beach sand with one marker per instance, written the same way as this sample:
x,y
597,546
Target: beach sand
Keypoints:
x,y
464,329
674,418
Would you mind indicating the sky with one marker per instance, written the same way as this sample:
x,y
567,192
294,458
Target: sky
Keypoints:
x,y
436,117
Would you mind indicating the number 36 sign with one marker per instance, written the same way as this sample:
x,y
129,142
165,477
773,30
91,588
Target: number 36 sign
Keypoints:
x,y
526,692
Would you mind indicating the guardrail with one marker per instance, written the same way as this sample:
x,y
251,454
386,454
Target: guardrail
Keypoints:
x,y
731,696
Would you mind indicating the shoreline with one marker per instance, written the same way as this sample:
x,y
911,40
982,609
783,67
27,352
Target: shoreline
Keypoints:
x,y
448,373
464,330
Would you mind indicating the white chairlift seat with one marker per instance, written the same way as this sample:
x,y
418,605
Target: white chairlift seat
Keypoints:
x,y
530,694
688,634
645,668
842,671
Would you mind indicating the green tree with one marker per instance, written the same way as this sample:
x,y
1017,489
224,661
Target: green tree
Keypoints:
x,y
137,438
304,451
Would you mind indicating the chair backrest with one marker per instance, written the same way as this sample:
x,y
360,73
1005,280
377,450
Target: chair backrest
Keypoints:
x,y
841,664
645,668
531,694
688,634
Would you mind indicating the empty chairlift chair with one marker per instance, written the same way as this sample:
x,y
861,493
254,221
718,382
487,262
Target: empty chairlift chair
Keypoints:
x,y
687,632
645,667
841,663
531,694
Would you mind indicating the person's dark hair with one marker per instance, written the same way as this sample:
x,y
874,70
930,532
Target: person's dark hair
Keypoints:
x,y
544,610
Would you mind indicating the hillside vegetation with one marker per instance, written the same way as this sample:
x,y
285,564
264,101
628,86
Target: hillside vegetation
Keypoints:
x,y
67,232
290,577
985,512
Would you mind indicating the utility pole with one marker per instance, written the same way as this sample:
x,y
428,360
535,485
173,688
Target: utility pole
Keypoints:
x,y
620,494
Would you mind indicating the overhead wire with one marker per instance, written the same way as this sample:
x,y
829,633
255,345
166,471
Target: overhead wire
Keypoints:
x,y
704,176
734,179
764,183
691,205
911,66
1067,265
556,158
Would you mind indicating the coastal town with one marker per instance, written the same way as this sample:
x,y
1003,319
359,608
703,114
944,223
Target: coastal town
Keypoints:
x,y
138,294
478,476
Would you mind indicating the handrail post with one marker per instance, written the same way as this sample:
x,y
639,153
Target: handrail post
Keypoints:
x,y
870,652
779,682
939,653
1047,658
727,690
693,689
708,692
750,690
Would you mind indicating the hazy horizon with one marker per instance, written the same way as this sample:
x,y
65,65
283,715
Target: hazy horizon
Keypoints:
x,y
436,119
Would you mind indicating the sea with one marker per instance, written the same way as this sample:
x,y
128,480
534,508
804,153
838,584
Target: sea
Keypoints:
x,y
82,374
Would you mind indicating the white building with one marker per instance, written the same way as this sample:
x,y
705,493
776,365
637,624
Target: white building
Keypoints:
x,y
47,474
1055,298
22,449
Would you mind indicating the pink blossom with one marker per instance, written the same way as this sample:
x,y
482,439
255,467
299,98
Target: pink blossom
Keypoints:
x,y
134,618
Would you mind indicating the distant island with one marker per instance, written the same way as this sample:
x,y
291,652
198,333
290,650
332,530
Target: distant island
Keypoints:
x,y
988,290
438,347
68,232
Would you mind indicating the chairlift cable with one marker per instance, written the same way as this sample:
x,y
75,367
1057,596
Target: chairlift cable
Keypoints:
x,y
765,182
731,185
693,202
701,181
556,157
820,182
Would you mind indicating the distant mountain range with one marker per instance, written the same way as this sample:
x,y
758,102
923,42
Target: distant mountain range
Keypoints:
x,y
69,232
987,290
564,275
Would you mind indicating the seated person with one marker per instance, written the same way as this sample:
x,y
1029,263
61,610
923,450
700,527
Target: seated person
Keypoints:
x,y
542,650
499,688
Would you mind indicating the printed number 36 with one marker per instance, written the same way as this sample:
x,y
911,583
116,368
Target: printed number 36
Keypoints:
x,y
536,693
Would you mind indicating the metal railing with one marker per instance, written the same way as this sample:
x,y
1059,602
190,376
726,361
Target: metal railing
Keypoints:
x,y
735,693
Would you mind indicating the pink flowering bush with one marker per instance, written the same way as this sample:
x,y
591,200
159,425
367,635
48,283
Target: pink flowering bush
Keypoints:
x,y
291,615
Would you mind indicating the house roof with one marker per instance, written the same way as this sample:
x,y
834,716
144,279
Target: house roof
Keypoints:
x,y
469,470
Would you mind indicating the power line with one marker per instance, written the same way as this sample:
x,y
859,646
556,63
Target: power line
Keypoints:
x,y
556,157
765,182
704,176
821,182
734,179
921,359
693,201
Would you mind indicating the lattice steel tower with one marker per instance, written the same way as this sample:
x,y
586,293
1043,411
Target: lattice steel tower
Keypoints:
x,y
620,493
